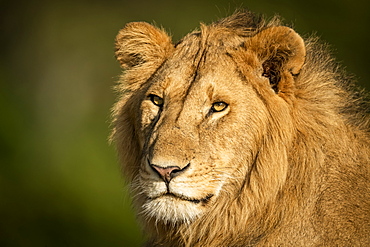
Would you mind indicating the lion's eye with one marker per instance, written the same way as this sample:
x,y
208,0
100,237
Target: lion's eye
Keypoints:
x,y
219,106
158,101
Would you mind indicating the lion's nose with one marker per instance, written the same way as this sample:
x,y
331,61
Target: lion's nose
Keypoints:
x,y
169,172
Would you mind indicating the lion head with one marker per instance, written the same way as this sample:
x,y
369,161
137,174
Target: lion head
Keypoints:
x,y
206,127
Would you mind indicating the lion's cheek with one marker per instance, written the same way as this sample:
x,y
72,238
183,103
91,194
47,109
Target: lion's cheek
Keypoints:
x,y
198,189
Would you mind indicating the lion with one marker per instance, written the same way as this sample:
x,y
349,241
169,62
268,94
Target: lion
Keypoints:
x,y
241,134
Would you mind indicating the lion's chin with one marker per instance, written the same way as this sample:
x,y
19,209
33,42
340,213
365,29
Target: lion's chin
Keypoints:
x,y
169,208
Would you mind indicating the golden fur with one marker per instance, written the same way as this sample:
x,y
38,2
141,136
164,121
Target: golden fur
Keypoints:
x,y
241,134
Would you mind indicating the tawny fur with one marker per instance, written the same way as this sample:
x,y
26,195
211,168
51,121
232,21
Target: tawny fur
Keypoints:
x,y
286,164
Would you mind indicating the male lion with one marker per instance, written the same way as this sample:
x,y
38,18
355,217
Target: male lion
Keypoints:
x,y
241,134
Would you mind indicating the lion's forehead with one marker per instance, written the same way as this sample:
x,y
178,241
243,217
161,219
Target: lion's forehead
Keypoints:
x,y
195,66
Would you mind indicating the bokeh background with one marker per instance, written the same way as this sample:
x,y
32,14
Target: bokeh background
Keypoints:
x,y
60,184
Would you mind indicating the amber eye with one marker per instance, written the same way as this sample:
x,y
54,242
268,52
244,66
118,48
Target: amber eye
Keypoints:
x,y
219,106
158,101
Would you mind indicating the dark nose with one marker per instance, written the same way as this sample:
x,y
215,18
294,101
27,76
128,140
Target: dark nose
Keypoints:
x,y
169,172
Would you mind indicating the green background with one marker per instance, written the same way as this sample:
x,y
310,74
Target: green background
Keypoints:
x,y
60,184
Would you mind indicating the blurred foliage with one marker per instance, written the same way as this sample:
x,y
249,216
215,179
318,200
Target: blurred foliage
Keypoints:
x,y
60,184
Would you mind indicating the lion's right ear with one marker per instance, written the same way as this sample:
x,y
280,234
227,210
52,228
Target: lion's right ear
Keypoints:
x,y
139,43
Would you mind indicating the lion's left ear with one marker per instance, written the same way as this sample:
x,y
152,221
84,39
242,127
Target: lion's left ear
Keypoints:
x,y
281,52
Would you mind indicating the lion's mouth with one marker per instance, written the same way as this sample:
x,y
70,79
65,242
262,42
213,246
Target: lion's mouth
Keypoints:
x,y
184,198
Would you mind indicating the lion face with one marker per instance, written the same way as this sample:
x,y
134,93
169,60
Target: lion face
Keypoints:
x,y
191,130
195,116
